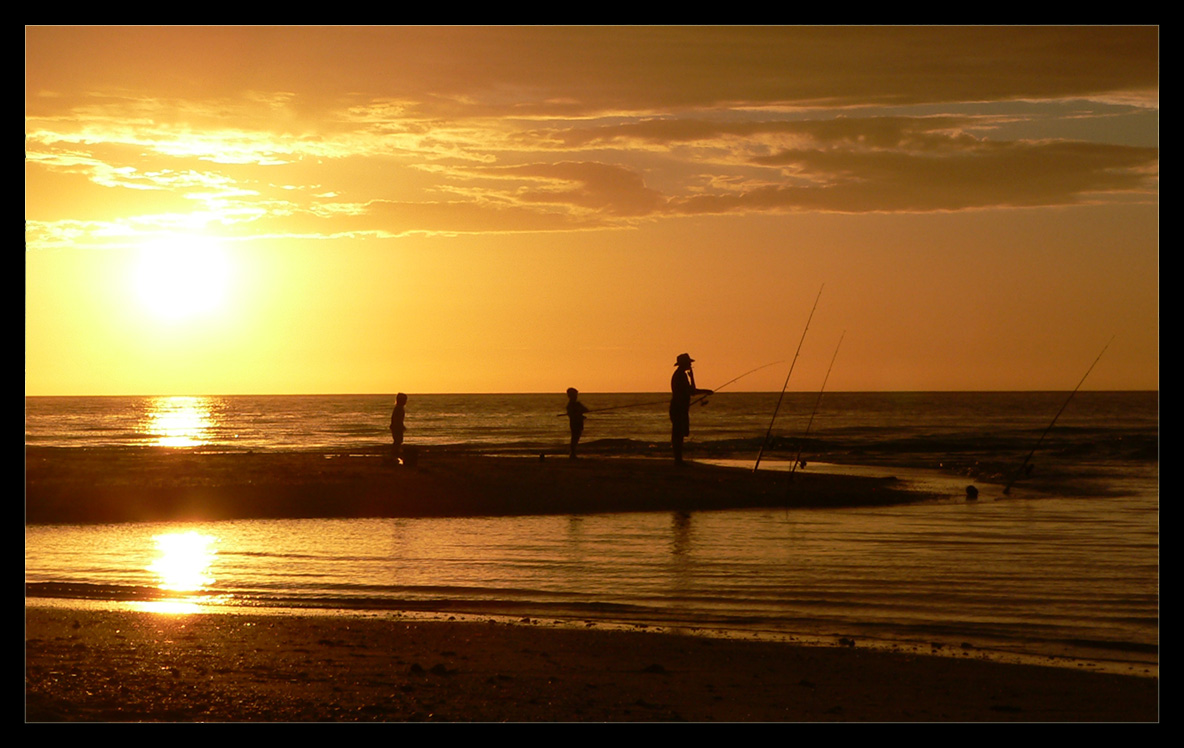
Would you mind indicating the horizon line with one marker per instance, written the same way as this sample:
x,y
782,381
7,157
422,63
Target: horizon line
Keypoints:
x,y
582,392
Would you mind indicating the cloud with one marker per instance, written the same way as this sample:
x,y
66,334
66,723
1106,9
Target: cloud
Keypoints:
x,y
995,176
918,169
310,131
581,71
390,218
585,187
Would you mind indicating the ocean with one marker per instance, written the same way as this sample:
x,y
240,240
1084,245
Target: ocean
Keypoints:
x,y
1065,566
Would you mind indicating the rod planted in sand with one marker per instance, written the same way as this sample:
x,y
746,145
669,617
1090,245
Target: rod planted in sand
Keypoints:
x,y
797,460
1018,473
787,376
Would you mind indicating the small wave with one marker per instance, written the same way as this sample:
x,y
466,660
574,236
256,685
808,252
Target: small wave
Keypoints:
x,y
104,592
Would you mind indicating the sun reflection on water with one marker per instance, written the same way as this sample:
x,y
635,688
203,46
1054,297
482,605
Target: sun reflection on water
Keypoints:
x,y
168,607
183,566
179,421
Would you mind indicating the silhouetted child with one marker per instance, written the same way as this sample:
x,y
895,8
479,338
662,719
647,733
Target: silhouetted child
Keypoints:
x,y
575,417
397,428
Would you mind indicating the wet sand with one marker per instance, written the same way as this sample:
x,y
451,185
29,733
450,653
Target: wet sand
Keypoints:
x,y
110,485
112,666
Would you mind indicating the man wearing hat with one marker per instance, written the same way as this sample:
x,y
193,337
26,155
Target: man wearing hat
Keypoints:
x,y
682,388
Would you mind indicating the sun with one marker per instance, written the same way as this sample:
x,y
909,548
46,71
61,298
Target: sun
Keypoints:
x,y
182,277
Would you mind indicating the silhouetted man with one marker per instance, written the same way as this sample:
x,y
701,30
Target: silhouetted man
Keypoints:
x,y
682,388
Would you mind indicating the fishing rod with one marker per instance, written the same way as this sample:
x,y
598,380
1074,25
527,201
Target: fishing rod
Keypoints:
x,y
700,400
1007,488
787,376
703,399
798,459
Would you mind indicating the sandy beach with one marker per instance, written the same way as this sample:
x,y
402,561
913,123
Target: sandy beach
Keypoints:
x,y
102,485
138,666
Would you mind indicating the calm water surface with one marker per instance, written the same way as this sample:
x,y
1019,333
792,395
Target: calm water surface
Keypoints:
x,y
1072,574
1064,577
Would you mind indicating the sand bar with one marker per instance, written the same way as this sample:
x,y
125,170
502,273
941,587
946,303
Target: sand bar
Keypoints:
x,y
120,485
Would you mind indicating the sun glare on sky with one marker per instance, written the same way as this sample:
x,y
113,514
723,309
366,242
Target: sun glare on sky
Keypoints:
x,y
182,277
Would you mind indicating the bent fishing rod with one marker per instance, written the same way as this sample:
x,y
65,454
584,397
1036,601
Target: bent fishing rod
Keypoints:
x,y
1018,473
797,460
787,376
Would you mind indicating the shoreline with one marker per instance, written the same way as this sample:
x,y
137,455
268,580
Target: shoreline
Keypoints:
x,y
86,486
88,665
959,648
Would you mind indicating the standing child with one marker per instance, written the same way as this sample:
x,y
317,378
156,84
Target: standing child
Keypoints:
x,y
575,417
397,428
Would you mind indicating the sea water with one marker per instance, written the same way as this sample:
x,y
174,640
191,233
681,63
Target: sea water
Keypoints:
x,y
1066,564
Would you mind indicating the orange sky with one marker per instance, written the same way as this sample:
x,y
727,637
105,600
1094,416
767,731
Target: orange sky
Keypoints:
x,y
442,209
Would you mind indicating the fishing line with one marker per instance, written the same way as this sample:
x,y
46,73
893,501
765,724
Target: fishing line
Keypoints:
x,y
1007,489
817,402
787,376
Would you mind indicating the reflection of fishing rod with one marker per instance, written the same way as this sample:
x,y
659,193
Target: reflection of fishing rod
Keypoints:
x,y
787,376
817,402
1007,488
700,400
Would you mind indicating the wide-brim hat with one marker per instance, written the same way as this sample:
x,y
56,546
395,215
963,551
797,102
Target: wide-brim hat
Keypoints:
x,y
684,358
